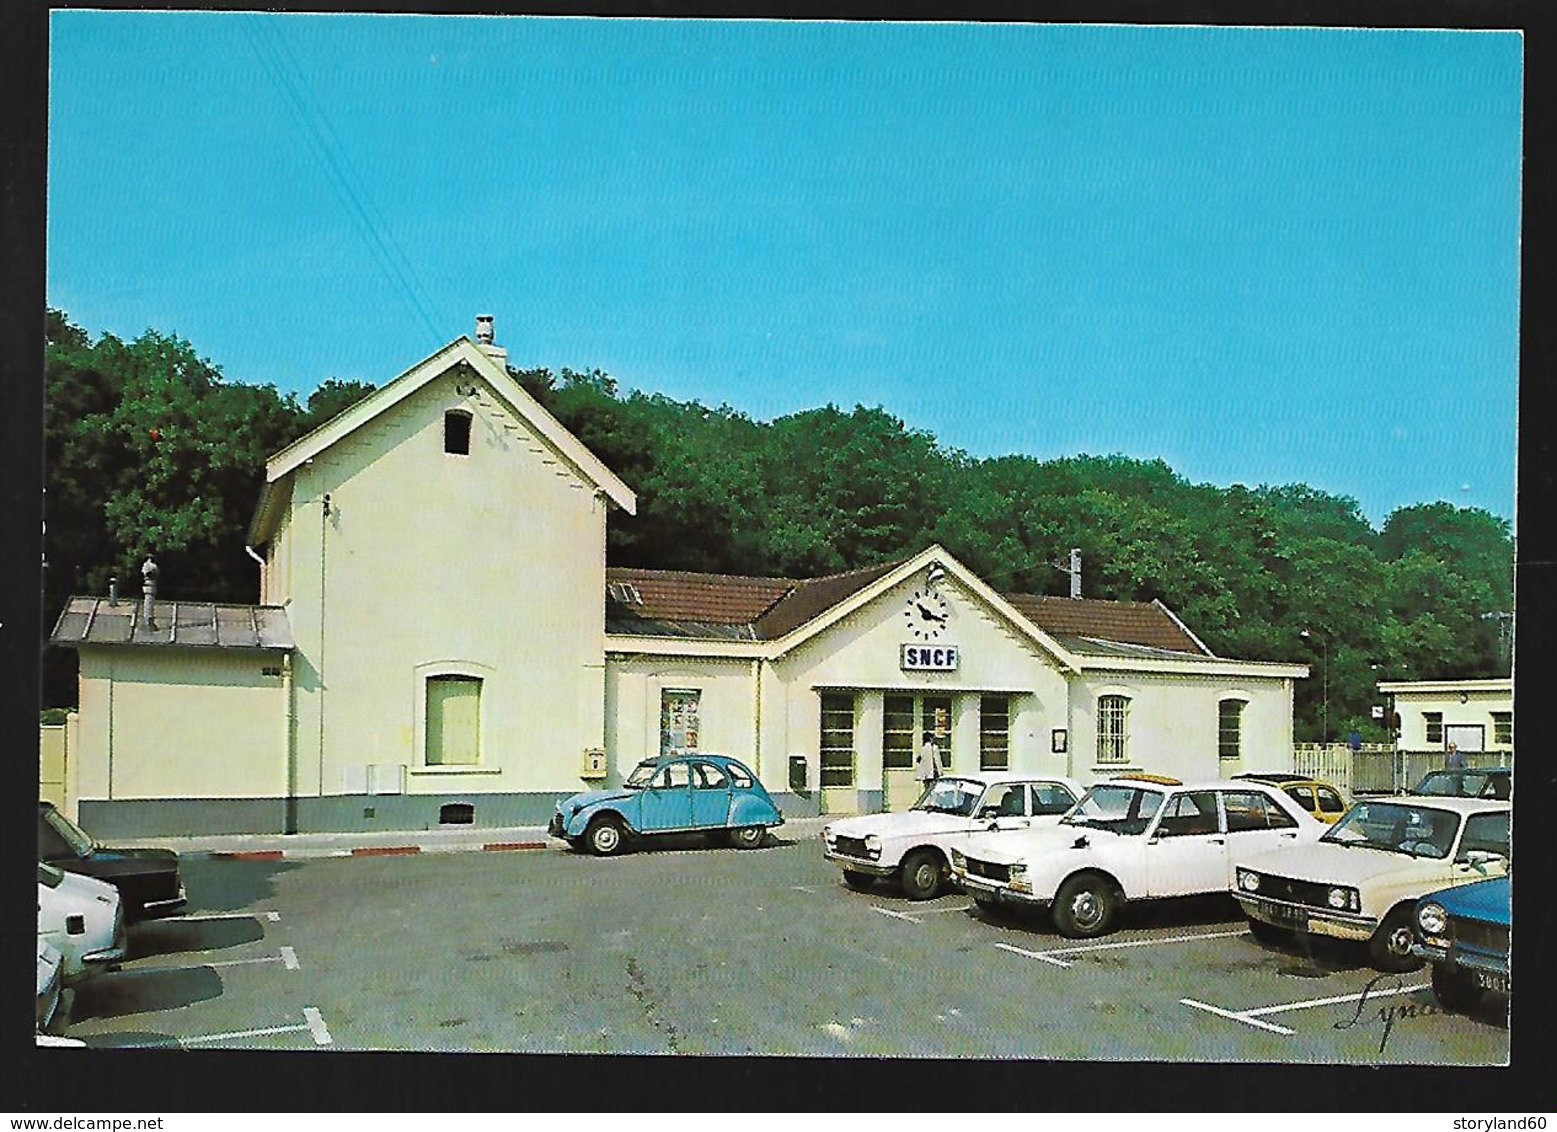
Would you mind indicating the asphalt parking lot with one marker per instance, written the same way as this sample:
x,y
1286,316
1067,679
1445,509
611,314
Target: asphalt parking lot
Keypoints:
x,y
689,950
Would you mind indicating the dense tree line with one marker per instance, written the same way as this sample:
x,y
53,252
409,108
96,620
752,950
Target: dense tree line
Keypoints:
x,y
151,449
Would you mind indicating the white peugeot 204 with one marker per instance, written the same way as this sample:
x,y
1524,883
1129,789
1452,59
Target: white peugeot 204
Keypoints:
x,y
1361,880
912,845
1130,838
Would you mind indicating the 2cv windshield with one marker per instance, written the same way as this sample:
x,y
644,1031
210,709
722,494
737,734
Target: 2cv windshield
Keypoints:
x,y
641,775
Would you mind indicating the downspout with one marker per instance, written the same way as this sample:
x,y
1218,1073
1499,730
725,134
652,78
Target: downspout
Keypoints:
x,y
756,715
249,550
110,728
289,804
324,523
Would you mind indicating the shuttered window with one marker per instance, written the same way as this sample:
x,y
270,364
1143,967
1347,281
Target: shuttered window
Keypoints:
x,y
453,721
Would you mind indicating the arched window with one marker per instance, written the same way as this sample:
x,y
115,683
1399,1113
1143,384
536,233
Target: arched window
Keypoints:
x,y
456,432
1113,729
1229,728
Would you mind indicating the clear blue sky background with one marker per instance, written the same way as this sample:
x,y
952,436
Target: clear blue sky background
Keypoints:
x,y
1266,256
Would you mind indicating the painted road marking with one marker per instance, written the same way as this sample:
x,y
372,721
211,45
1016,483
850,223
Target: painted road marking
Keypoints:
x,y
1047,958
1252,1017
316,1026
289,957
313,1024
1082,949
202,916
1236,1017
895,914
803,888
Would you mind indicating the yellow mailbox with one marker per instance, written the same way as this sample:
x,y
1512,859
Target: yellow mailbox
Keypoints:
x,y
594,763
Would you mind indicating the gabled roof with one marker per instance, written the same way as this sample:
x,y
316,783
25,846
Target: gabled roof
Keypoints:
x,y
1088,625
662,603
185,624
462,352
678,603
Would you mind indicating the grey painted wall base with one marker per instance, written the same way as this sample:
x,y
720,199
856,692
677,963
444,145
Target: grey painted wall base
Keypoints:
x,y
349,813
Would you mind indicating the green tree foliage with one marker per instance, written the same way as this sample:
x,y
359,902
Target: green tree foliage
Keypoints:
x,y
150,448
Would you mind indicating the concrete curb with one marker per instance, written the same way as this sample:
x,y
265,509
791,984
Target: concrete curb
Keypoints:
x,y
408,843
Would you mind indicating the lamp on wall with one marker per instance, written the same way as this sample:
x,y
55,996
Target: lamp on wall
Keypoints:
x,y
936,575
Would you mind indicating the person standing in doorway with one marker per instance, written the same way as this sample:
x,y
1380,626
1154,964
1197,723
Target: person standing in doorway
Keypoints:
x,y
928,764
1454,759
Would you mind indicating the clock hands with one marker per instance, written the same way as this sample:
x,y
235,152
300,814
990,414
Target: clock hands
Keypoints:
x,y
928,614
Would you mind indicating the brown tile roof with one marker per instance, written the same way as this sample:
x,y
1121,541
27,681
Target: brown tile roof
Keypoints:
x,y
674,603
1148,624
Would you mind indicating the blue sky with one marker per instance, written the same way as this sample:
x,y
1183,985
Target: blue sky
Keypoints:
x,y
1263,255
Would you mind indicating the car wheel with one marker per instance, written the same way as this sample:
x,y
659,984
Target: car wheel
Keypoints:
x,y
921,874
1454,991
604,837
747,836
1390,947
1269,933
1085,906
860,882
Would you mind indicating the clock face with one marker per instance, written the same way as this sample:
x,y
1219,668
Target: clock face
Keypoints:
x,y
926,614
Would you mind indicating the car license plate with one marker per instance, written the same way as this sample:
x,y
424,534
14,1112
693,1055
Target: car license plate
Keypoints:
x,y
1490,980
1287,916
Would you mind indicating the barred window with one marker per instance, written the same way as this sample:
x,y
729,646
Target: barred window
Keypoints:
x,y
837,746
1503,728
995,733
1229,729
1434,720
1113,718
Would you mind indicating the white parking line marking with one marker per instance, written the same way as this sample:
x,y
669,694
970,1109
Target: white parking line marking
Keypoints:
x,y
221,1037
200,917
938,911
1142,942
1331,1001
895,914
1047,958
1252,1016
229,963
1081,949
316,1026
803,888
1237,1017
289,957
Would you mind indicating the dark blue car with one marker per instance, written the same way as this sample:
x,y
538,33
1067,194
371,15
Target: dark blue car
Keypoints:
x,y
1463,933
689,793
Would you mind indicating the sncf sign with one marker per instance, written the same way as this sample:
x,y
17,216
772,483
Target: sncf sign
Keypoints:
x,y
928,658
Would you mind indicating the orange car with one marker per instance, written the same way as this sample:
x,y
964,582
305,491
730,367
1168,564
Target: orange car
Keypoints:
x,y
1321,799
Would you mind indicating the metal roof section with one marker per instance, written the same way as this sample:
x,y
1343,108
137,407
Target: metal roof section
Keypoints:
x,y
177,624
461,352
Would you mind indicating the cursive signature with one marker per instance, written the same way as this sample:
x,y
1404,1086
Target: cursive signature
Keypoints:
x,y
1387,1014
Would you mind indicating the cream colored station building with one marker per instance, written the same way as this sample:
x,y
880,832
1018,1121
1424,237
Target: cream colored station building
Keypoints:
x,y
438,639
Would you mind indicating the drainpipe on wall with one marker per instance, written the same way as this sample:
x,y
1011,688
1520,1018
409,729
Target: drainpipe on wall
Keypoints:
x,y
756,715
324,524
249,550
289,804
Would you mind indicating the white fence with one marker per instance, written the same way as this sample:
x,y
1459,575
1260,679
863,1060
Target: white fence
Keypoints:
x,y
1379,768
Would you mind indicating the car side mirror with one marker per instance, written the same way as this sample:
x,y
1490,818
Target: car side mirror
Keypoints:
x,y
989,811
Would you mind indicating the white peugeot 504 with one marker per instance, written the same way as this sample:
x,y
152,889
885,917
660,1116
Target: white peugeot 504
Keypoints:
x,y
912,845
1130,838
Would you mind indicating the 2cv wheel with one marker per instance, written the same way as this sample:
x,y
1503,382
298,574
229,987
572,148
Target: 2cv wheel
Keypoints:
x,y
747,836
604,837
